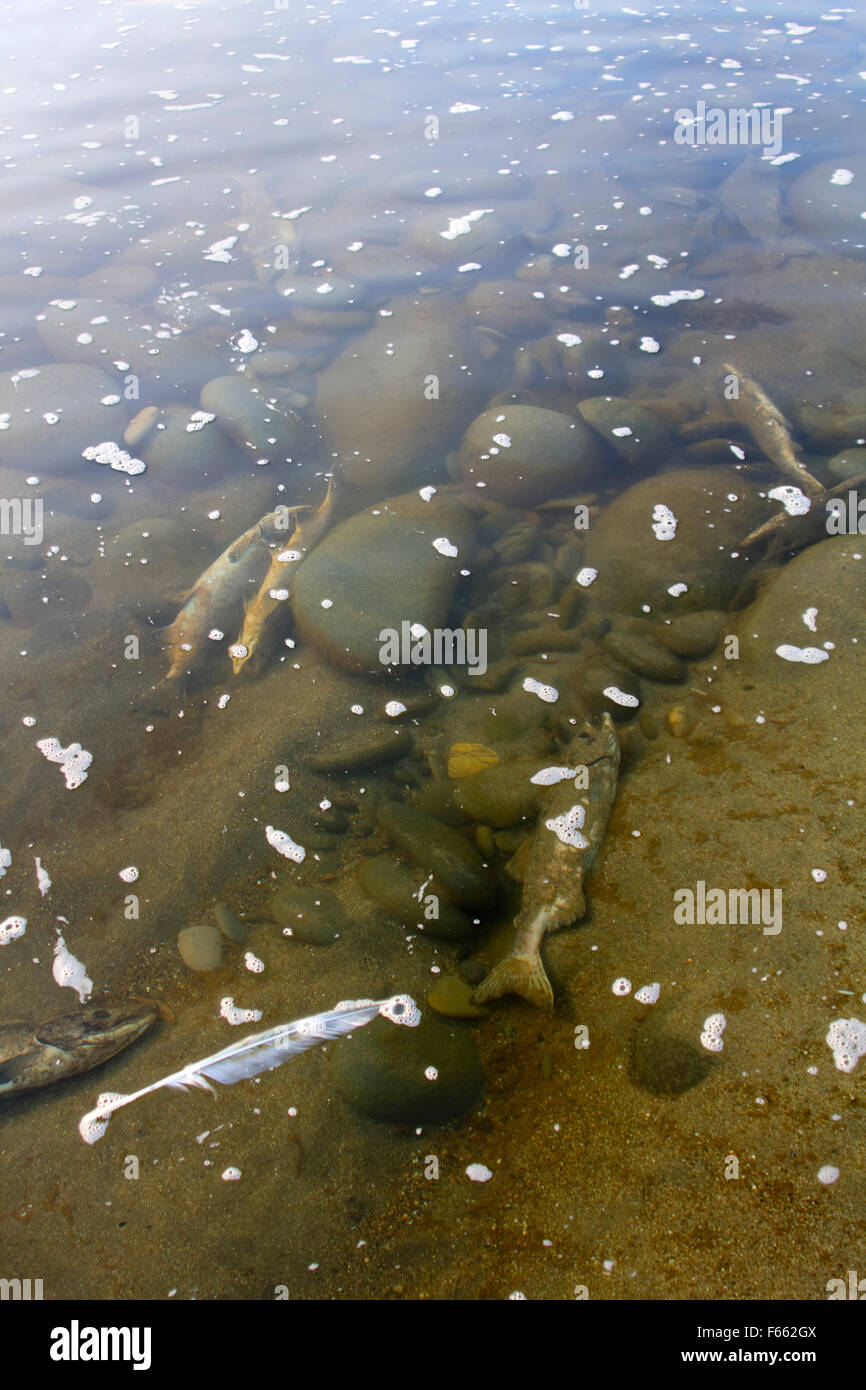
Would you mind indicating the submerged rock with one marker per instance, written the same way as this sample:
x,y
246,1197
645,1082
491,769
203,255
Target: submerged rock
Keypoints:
x,y
452,236
126,284
314,915
391,564
148,563
501,796
230,924
510,306
395,401
33,599
373,748
185,452
99,332
639,438
201,947
801,642
395,888
523,455
452,998
439,850
258,419
645,657
409,1076
49,414
847,464
680,531
693,634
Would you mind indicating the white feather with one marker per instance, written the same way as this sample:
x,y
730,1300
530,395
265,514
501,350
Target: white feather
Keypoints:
x,y
259,1052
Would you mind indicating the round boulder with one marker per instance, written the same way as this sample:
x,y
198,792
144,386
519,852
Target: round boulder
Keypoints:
x,y
48,415
523,455
393,564
637,436
187,449
409,1076
256,418
672,543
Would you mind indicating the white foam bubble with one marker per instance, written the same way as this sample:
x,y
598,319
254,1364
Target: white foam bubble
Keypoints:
x,y
549,776
235,1015
284,844
568,826
711,1035
401,1009
74,760
478,1172
795,502
664,522
648,994
11,929
69,972
810,656
445,547
621,697
846,1038
42,877
548,693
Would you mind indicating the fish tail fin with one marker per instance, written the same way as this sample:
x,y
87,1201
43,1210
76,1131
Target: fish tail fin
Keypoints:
x,y
523,975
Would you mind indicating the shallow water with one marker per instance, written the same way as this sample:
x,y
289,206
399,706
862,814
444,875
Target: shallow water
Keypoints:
x,y
196,192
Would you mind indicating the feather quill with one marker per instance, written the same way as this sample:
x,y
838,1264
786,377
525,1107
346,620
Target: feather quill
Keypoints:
x,y
256,1053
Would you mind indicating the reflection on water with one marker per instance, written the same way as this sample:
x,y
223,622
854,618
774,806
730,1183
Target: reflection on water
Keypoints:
x,y
431,444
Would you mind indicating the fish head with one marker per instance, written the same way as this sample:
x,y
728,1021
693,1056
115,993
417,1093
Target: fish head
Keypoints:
x,y
98,1029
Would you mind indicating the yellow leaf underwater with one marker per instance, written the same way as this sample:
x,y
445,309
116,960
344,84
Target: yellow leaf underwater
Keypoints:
x,y
465,759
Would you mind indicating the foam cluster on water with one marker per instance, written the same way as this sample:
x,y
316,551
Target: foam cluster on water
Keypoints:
x,y
401,1009
74,760
711,1034
567,827
284,844
12,928
846,1038
69,972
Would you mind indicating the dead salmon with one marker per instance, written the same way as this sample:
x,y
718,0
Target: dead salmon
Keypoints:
x,y
769,429
264,230
209,603
275,589
33,1055
562,853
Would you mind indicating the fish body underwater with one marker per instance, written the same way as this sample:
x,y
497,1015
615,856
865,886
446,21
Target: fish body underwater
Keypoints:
x,y
563,851
211,599
274,591
266,229
37,1054
769,429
